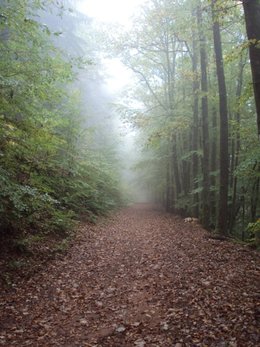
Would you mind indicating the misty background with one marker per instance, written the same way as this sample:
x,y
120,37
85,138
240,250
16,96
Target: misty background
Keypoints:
x,y
103,82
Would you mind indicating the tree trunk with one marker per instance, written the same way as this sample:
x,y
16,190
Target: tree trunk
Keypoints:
x,y
195,125
252,18
176,171
205,126
167,188
222,221
236,146
255,198
213,166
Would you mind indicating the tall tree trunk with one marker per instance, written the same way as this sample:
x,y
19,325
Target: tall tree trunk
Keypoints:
x,y
184,139
222,221
169,182
167,188
213,165
175,165
232,161
195,125
252,18
255,197
236,146
205,126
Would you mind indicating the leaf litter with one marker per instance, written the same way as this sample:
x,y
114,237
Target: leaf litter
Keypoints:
x,y
140,278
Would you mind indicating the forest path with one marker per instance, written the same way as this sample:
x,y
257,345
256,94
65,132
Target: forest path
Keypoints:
x,y
142,278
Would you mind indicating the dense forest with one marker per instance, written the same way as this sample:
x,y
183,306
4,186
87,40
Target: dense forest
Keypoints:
x,y
55,165
191,104
129,173
195,108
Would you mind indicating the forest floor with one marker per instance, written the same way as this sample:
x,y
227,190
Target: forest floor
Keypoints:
x,y
142,278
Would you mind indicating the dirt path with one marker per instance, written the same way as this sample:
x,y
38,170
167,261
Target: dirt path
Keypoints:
x,y
141,279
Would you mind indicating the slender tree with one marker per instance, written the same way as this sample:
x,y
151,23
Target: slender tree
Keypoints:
x,y
222,221
205,127
236,144
195,124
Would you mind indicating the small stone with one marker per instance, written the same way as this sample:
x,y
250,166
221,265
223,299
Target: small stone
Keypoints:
x,y
136,324
120,329
164,326
83,322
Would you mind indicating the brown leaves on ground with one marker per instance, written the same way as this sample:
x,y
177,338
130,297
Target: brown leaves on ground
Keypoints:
x,y
142,279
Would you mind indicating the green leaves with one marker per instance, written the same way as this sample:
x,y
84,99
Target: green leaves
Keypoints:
x,y
47,177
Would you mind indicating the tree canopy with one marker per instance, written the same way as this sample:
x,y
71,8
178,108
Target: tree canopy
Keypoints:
x,y
197,108
50,171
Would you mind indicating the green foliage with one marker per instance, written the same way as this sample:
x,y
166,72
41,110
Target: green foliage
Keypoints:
x,y
49,177
23,244
62,246
165,104
15,265
22,206
254,231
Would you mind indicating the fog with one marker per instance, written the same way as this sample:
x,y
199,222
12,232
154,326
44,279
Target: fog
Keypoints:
x,y
102,83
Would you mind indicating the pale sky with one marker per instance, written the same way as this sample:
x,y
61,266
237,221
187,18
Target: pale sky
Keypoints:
x,y
118,76
110,10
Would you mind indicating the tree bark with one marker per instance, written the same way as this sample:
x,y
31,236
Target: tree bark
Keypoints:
x,y
213,165
255,197
175,164
222,222
252,18
236,146
168,182
205,126
195,125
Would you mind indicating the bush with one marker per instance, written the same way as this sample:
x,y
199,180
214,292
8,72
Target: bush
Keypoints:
x,y
26,208
254,230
